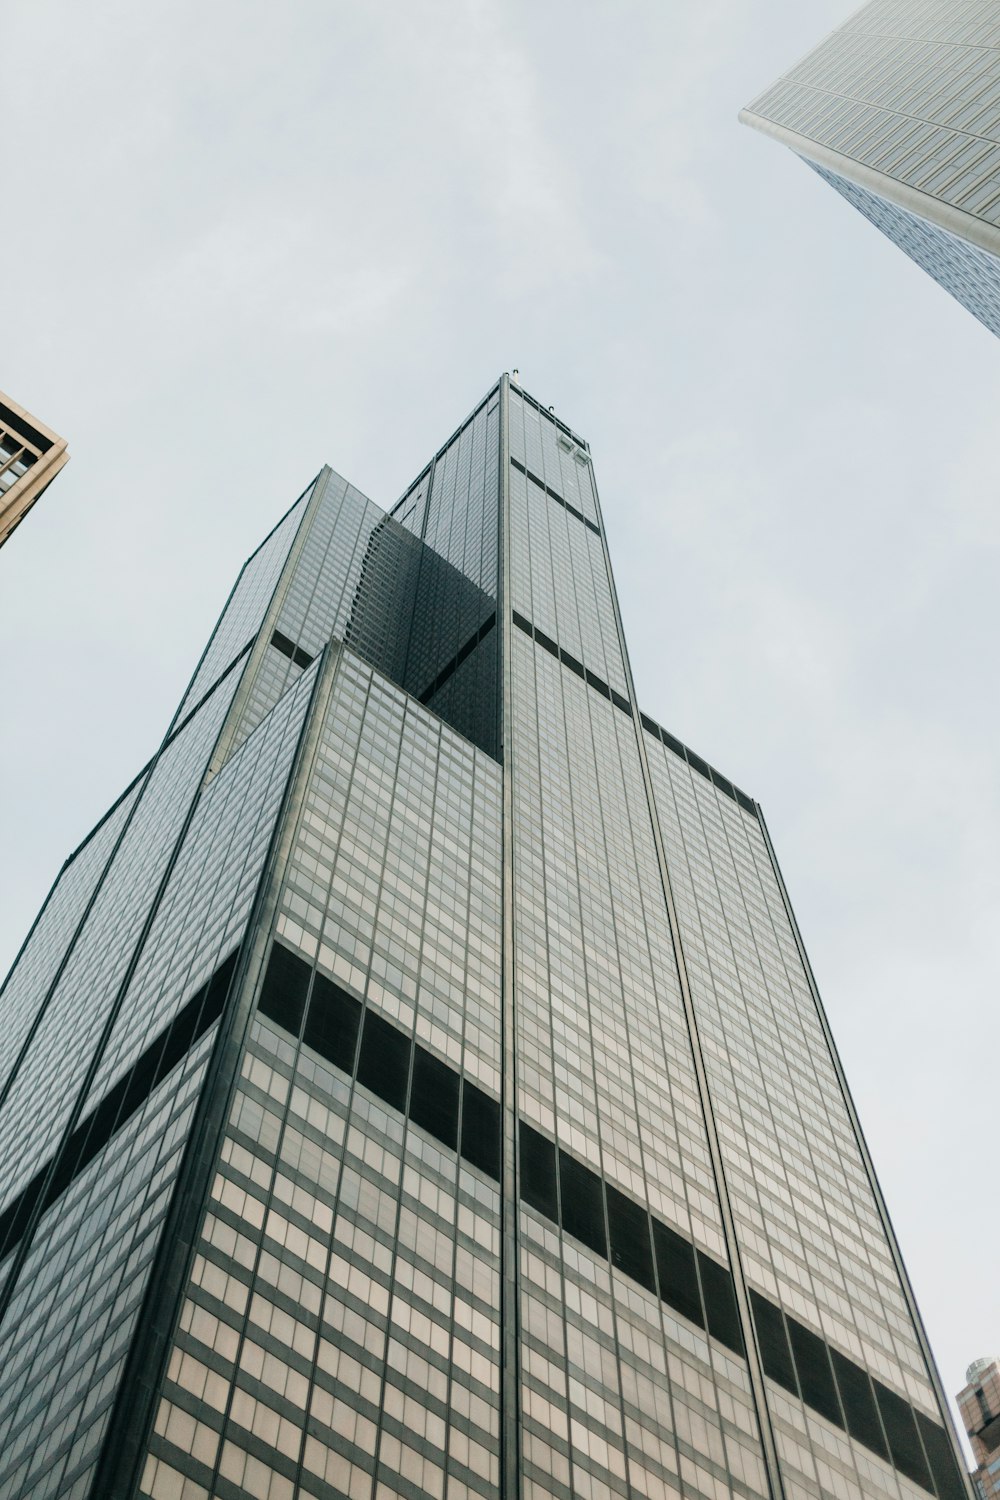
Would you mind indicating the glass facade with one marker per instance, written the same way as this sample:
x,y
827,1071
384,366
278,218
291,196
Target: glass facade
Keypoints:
x,y
415,1086
899,110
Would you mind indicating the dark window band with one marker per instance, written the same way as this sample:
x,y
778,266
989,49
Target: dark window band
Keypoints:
x,y
288,648
22,428
553,495
697,764
604,1219
591,678
400,1072
120,1103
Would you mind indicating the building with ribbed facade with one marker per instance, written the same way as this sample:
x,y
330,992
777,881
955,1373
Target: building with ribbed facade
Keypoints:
x,y
899,111
416,1085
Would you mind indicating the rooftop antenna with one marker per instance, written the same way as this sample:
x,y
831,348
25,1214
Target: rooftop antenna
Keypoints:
x,y
516,375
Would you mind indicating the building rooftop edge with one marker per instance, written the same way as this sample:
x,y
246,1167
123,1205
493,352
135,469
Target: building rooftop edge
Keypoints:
x,y
912,200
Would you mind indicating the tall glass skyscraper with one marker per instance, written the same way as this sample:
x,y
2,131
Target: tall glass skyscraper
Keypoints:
x,y
899,110
416,1086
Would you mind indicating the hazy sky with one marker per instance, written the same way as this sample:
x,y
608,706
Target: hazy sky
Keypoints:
x,y
241,241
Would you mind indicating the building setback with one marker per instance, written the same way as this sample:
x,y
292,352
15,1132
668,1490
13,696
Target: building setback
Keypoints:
x,y
416,1085
30,458
899,110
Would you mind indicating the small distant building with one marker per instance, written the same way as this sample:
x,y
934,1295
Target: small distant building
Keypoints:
x,y
31,455
979,1403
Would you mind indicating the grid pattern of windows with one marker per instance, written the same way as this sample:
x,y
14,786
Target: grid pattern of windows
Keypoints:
x,y
69,1324
203,912
247,606
413,593
560,581
37,963
340,1326
394,882
327,1303
909,90
970,274
47,1082
338,1335
621,1393
808,1226
72,1314
604,1059
317,602
551,452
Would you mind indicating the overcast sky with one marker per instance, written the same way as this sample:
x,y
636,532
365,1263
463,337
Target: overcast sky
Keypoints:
x,y
241,241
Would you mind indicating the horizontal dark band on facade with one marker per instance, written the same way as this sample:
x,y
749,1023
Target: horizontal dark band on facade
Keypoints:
x,y
554,495
119,1104
548,644
452,666
399,1071
291,650
168,741
22,428
459,1115
697,764
549,416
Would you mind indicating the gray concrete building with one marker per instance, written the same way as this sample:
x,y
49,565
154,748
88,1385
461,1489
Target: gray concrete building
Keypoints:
x,y
899,110
416,1085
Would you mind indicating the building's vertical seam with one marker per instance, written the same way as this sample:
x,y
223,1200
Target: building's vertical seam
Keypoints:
x,y
753,1360
883,1212
22,1249
411,623
146,778
224,745
510,1333
124,1447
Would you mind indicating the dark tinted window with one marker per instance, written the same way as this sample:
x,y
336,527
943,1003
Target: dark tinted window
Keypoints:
x,y
675,1268
628,1227
384,1060
720,1303
481,1130
286,983
774,1351
942,1459
901,1430
582,1204
434,1097
858,1401
333,1023
814,1372
723,784
538,1172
